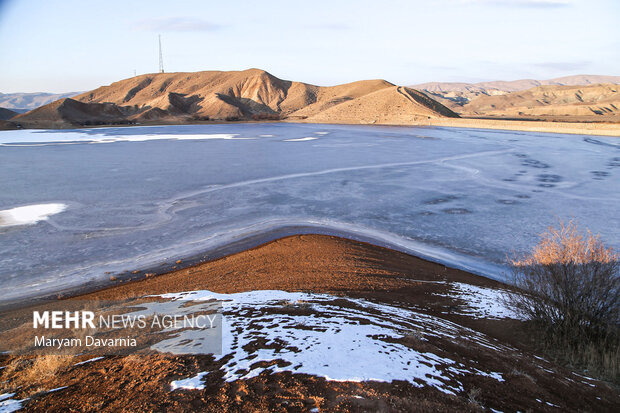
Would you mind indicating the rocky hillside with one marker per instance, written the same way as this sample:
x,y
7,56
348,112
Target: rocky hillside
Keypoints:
x,y
250,94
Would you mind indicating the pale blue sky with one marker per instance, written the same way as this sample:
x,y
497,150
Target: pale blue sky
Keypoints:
x,y
61,46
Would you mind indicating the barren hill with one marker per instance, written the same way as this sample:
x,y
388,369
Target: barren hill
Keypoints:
x,y
454,95
576,101
249,94
393,104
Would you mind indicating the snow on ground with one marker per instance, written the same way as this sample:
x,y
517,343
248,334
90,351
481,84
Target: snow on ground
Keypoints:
x,y
88,361
8,405
337,338
480,302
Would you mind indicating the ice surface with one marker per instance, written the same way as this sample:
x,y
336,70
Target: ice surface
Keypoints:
x,y
333,337
463,197
308,138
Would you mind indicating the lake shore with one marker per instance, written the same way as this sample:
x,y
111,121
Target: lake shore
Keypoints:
x,y
349,272
573,128
309,262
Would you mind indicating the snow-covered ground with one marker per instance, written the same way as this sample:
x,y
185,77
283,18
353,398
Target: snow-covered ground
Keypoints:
x,y
333,337
8,404
479,302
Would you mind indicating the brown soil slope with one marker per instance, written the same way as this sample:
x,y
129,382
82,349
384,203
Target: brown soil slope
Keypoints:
x,y
395,104
249,94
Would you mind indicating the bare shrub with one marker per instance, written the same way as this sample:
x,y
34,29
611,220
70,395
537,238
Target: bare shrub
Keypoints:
x,y
473,396
570,290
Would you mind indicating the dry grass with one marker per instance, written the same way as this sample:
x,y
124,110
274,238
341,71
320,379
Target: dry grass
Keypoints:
x,y
27,372
570,291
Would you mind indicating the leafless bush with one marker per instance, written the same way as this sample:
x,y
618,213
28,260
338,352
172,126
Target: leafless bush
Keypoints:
x,y
570,290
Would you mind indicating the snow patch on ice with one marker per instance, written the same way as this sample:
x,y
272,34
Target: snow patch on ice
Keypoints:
x,y
29,214
308,138
31,140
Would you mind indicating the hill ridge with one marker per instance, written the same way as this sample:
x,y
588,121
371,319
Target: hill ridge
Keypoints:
x,y
230,95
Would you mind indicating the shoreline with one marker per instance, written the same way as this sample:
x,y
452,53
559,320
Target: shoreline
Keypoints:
x,y
436,255
543,126
571,128
411,307
305,262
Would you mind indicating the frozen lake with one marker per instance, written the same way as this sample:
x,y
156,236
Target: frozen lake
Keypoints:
x,y
75,204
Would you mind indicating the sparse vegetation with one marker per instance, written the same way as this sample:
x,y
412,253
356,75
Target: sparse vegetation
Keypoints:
x,y
28,371
570,292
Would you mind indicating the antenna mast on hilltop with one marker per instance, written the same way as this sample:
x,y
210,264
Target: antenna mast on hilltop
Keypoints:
x,y
161,58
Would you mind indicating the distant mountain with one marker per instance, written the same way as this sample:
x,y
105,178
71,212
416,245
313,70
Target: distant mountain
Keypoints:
x,y
455,94
516,85
250,94
6,114
21,102
598,100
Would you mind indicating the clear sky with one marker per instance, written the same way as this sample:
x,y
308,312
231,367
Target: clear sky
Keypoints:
x,y
62,46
